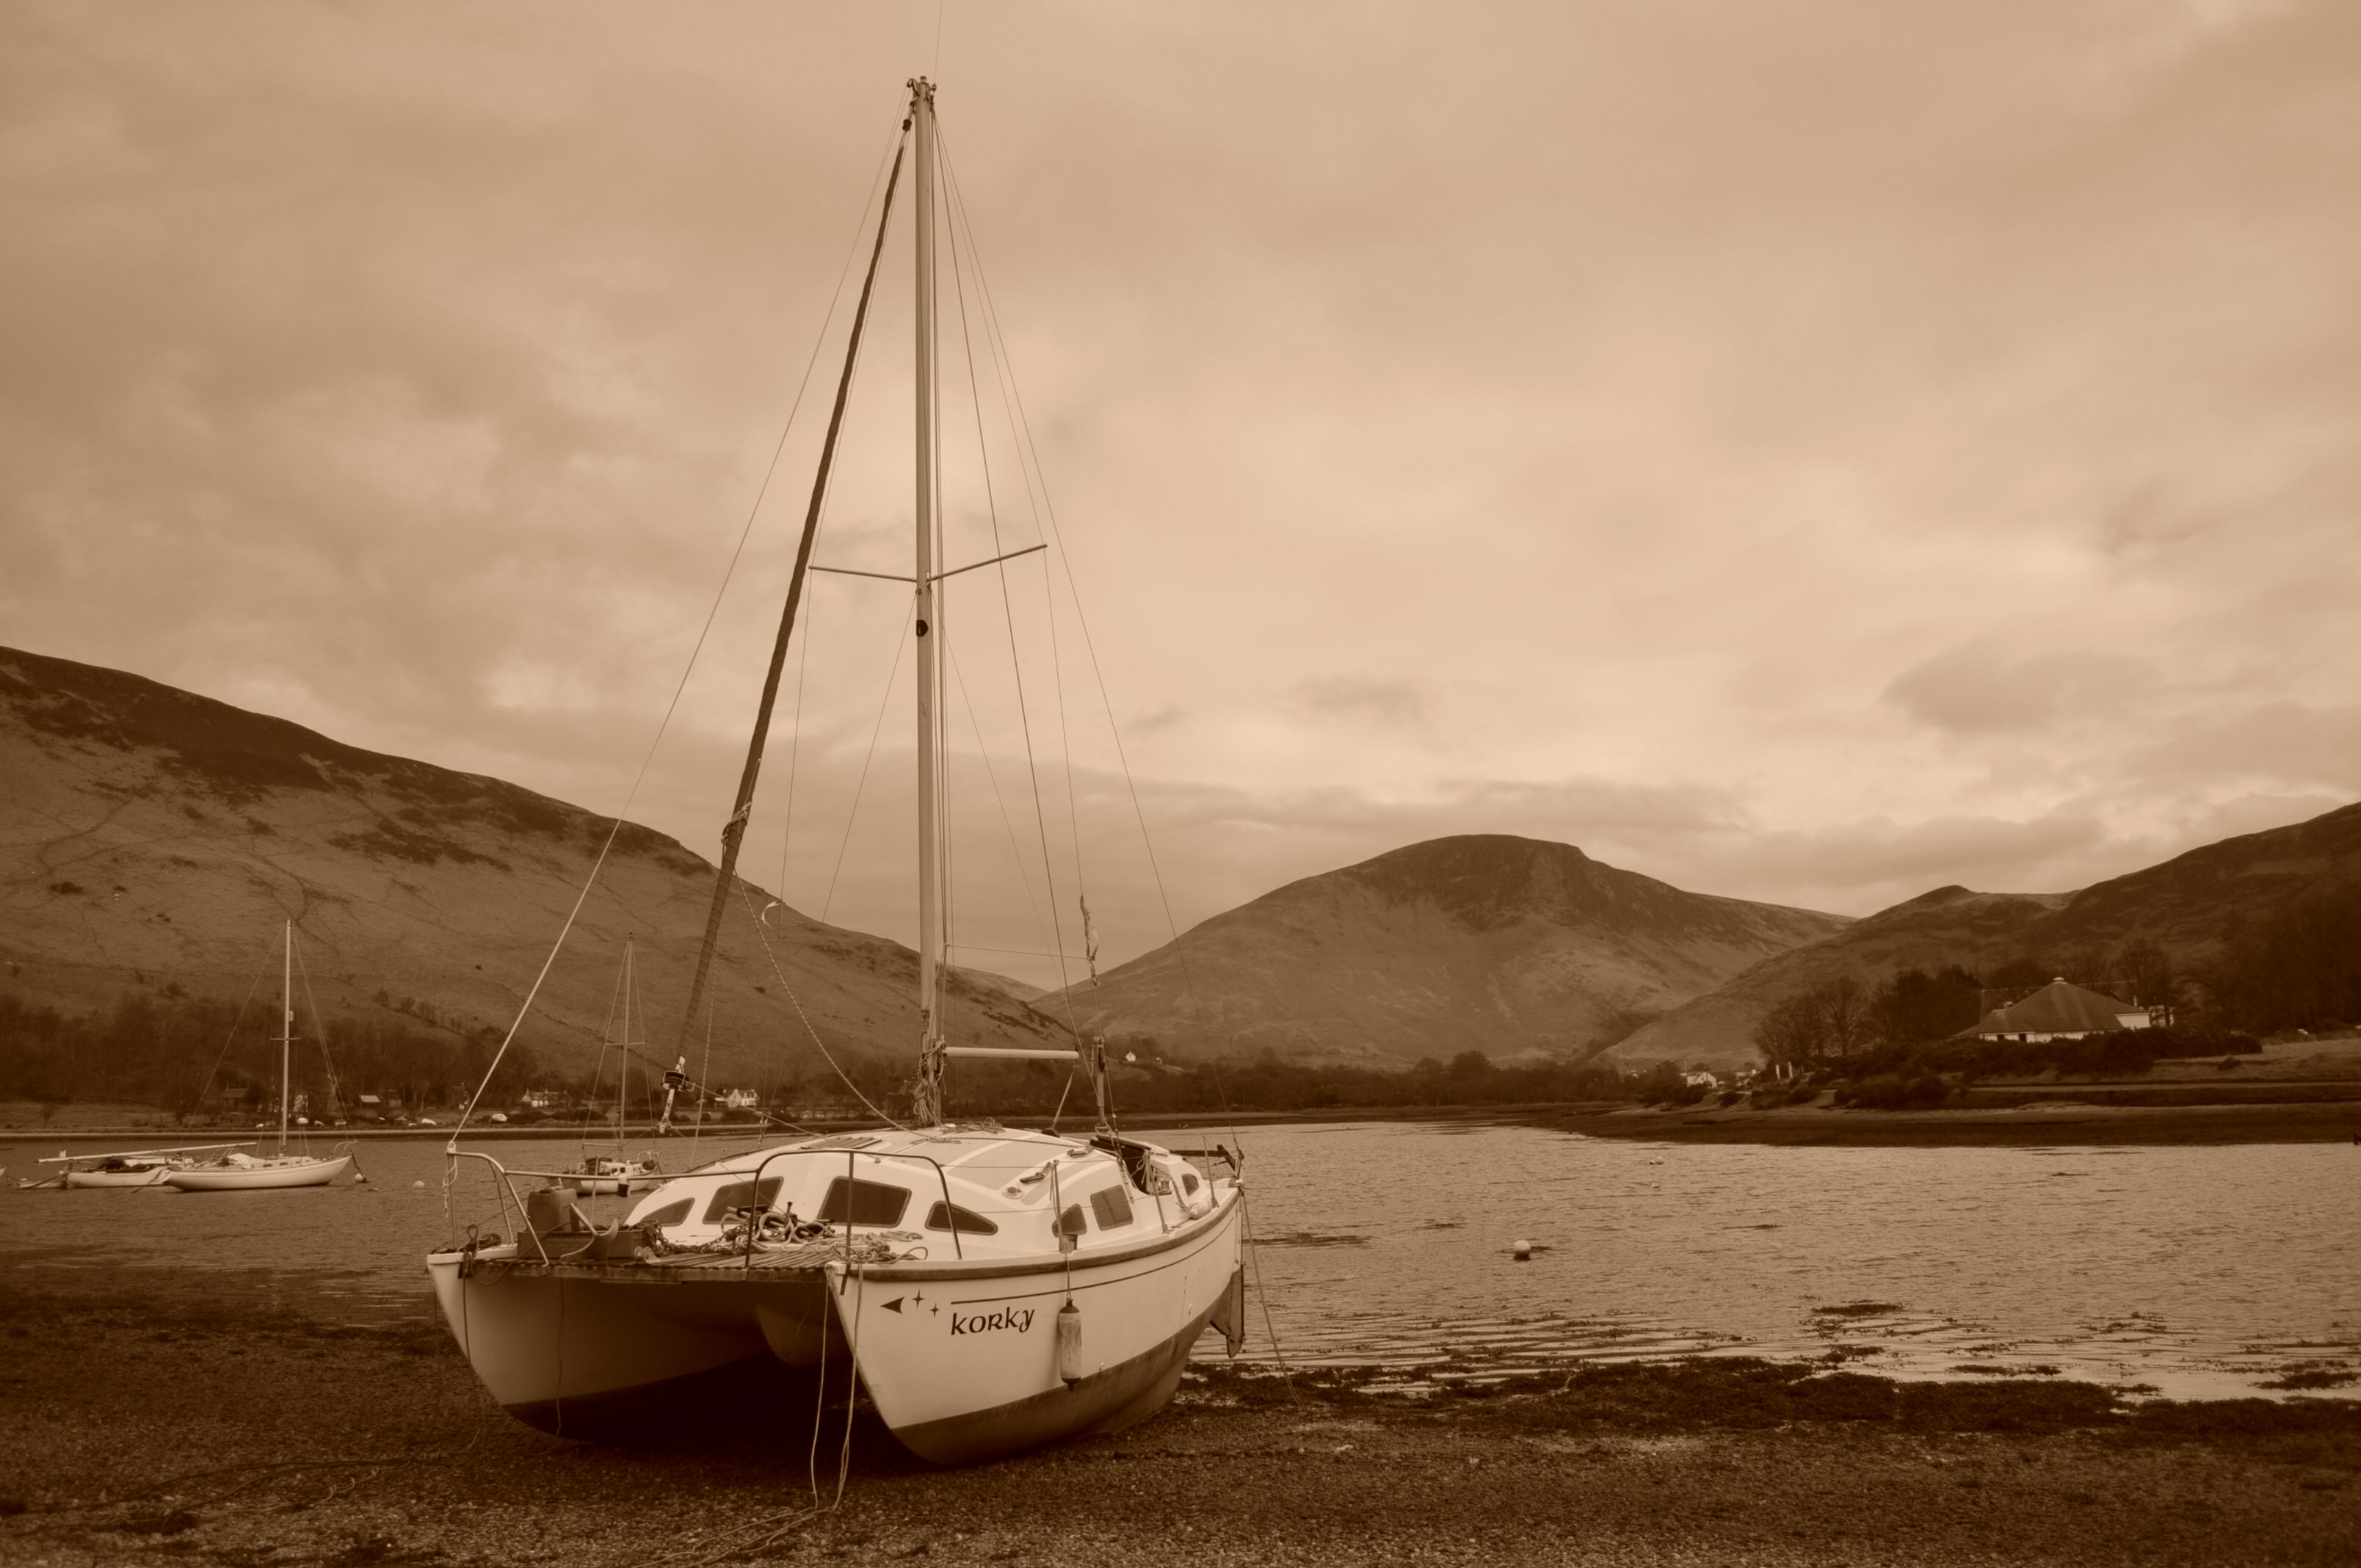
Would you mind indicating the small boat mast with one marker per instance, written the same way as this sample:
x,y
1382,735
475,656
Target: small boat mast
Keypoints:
x,y
286,1030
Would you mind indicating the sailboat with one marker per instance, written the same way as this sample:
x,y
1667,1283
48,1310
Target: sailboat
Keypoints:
x,y
124,1167
236,1172
993,1289
616,1174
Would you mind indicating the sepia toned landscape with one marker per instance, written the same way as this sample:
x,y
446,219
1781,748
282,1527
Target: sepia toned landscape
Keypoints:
x,y
1329,784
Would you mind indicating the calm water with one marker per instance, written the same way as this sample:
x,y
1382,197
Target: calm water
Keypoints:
x,y
2200,1271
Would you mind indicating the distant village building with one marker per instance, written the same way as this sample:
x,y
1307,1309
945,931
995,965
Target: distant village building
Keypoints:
x,y
544,1099
739,1100
1700,1080
2061,1011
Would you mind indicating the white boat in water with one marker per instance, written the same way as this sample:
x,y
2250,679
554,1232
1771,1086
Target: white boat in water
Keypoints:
x,y
617,1175
238,1172
257,1173
127,1167
613,1176
993,1289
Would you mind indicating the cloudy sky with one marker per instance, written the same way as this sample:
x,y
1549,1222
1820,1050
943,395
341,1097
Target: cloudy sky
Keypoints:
x,y
1812,452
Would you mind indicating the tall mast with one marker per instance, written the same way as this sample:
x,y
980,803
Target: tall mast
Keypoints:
x,y
286,1030
930,1099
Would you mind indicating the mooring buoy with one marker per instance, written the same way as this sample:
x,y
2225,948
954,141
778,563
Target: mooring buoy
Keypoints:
x,y
1522,1250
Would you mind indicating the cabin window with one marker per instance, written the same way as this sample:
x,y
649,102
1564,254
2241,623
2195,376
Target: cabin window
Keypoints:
x,y
672,1213
742,1195
1070,1223
964,1222
874,1202
1111,1207
1188,1180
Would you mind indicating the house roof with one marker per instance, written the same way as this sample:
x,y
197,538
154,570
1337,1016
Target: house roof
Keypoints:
x,y
2060,1007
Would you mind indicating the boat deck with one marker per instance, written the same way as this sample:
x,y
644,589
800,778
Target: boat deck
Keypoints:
x,y
680,1267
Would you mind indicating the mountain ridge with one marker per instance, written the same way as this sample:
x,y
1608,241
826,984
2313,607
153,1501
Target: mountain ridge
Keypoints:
x,y
1488,942
2184,905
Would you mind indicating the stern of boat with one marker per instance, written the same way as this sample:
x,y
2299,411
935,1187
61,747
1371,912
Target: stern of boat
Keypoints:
x,y
964,1362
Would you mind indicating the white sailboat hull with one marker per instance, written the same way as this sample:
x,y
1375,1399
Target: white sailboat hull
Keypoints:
x,y
961,1360
153,1177
260,1177
583,1352
582,1357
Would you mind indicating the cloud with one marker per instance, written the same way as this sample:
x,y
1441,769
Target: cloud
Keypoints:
x,y
1391,702
1815,457
1980,690
2283,742
1987,852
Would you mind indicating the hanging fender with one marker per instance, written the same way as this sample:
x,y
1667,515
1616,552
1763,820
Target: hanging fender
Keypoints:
x,y
1069,1343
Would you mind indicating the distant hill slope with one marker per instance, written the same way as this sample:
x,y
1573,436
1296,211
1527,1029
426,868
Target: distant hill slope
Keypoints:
x,y
2182,905
151,837
1489,943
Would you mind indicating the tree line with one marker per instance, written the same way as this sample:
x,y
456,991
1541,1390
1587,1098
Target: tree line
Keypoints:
x,y
195,1056
201,1056
2297,967
1260,1081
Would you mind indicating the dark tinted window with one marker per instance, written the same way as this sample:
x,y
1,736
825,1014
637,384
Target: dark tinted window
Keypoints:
x,y
1111,1207
742,1195
1070,1223
874,1202
967,1221
1189,1179
672,1213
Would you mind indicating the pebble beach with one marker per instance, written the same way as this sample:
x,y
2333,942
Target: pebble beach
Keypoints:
x,y
162,1429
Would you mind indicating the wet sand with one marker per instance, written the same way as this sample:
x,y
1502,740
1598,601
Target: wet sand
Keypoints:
x,y
156,1430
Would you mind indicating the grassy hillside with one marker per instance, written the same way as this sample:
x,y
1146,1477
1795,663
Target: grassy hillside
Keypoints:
x,y
152,841
2192,907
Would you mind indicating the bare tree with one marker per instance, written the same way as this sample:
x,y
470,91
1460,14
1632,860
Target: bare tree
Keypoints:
x,y
2147,969
1792,1034
1844,1016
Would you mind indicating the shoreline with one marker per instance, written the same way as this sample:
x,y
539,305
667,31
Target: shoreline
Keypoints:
x,y
222,1435
2058,1121
2061,1118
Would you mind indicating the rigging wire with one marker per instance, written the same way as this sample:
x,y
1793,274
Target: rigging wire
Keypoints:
x,y
992,504
336,1091
795,726
967,700
599,1070
1013,952
861,786
1073,593
1036,489
796,1003
607,845
704,1076
231,1038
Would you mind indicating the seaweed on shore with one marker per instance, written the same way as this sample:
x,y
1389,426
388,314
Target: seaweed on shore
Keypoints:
x,y
1743,1393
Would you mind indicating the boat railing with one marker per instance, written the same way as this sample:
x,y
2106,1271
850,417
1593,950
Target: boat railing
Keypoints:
x,y
506,1185
951,1213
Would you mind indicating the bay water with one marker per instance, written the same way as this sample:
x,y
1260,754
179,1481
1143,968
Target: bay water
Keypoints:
x,y
2196,1272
